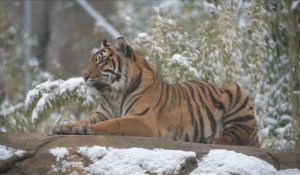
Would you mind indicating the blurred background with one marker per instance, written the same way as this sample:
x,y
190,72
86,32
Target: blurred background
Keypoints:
x,y
44,44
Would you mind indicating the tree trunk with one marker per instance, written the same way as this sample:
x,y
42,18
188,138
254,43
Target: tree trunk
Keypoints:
x,y
294,55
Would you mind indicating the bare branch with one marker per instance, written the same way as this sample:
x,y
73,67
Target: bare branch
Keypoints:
x,y
99,19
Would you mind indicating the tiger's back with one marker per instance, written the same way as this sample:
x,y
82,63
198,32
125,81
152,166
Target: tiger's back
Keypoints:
x,y
199,112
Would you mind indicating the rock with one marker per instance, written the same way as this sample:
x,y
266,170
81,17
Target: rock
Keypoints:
x,y
38,160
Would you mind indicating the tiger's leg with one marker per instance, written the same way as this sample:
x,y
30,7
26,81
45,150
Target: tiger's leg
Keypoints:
x,y
78,126
131,126
239,133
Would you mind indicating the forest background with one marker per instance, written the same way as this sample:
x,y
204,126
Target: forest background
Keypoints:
x,y
45,46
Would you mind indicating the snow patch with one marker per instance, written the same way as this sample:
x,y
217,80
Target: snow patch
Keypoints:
x,y
7,152
59,152
142,35
94,153
230,162
289,172
134,160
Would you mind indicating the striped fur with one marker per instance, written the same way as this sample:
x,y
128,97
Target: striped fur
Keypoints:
x,y
137,102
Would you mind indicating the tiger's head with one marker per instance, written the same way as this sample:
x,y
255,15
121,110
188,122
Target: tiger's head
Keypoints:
x,y
109,67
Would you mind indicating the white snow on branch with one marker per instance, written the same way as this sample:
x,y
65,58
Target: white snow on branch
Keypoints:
x,y
296,92
41,97
295,4
178,58
7,152
59,152
209,7
7,109
40,106
99,19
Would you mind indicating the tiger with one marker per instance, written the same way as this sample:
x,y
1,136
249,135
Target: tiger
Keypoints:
x,y
136,101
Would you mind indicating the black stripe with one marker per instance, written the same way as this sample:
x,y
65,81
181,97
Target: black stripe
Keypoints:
x,y
160,97
238,95
166,98
243,127
129,52
214,88
240,119
201,125
119,63
109,71
179,95
190,108
217,104
211,119
182,90
201,86
238,109
196,132
130,106
172,97
135,84
233,133
104,109
114,64
227,91
143,112
101,116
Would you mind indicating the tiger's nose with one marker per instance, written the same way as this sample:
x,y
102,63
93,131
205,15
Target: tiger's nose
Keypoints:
x,y
86,77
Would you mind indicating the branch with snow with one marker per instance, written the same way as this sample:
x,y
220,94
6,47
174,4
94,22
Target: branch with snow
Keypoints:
x,y
50,95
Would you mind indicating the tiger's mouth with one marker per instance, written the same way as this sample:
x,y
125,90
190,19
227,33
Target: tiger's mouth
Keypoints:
x,y
97,84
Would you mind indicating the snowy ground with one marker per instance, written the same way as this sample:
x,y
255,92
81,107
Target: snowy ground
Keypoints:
x,y
138,161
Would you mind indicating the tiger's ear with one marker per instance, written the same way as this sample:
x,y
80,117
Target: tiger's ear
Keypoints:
x,y
122,47
105,44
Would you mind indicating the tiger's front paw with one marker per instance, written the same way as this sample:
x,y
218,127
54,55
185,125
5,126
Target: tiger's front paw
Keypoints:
x,y
71,129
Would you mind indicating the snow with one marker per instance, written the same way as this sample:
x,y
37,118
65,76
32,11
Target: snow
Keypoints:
x,y
107,160
70,84
7,109
42,102
289,172
59,152
209,7
142,35
41,96
94,153
134,160
123,161
295,4
230,162
181,60
7,152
